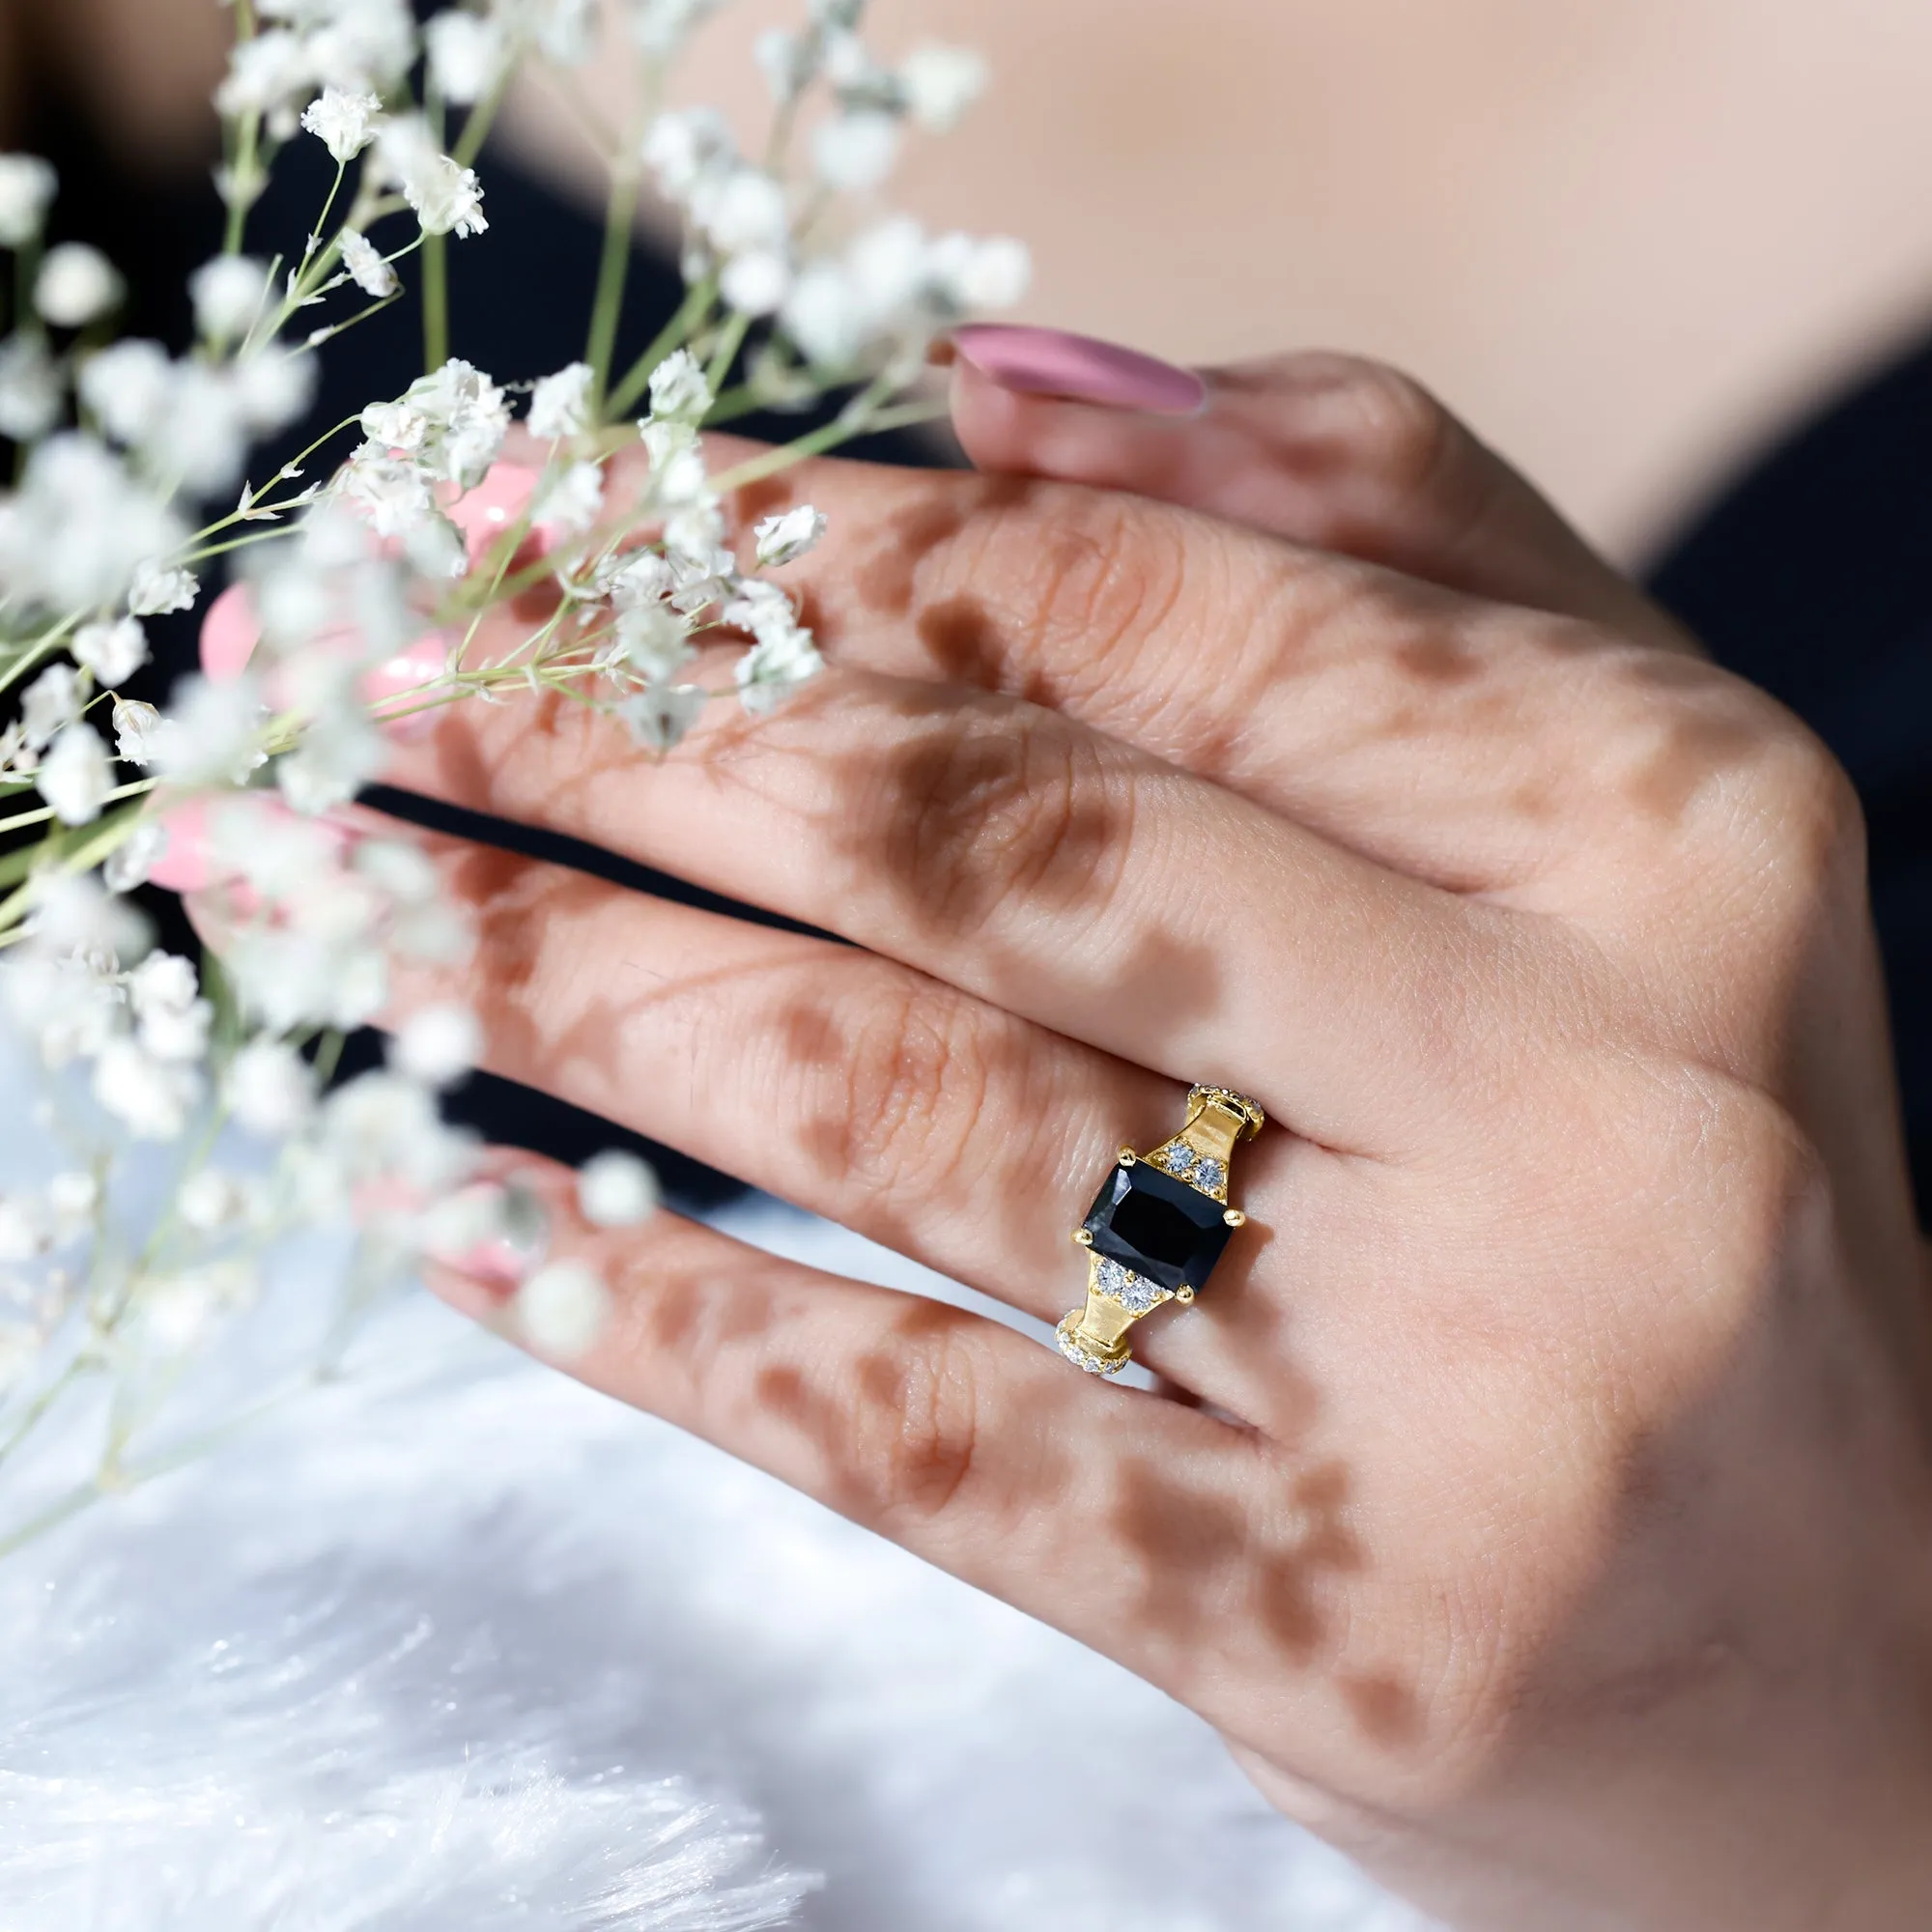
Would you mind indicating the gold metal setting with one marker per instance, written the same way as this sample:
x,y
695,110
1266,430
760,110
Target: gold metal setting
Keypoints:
x,y
1095,1337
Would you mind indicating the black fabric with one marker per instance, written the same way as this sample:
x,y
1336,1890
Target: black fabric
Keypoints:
x,y
1812,577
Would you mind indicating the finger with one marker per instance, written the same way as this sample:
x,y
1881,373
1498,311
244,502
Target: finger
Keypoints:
x,y
872,1095
1052,872
1137,1526
1473,745
1331,451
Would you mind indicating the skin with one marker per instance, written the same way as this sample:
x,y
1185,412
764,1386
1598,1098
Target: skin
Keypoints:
x,y
1631,237
1538,1500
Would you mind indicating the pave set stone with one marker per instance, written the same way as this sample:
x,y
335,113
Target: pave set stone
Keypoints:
x,y
1082,1358
1131,1291
1198,1170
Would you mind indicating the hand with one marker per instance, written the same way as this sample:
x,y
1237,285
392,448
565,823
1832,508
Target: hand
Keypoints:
x,y
1554,1534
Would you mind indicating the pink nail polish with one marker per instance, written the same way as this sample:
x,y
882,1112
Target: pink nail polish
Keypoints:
x,y
483,514
410,669
188,863
1050,362
229,634
184,865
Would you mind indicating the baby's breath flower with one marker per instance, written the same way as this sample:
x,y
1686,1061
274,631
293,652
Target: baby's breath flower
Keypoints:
x,y
171,1016
658,717
228,294
344,121
571,499
158,591
940,84
53,701
560,404
73,534
267,74
209,737
31,392
679,392
268,1088
562,1310
126,388
437,1046
856,152
75,778
136,732
113,651
27,185
787,61
76,285
275,388
755,283
615,1189
784,539
467,54
686,148
133,860
150,1097
448,198
211,1201
367,267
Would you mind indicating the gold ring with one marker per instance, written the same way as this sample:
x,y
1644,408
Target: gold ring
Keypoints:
x,y
1156,1228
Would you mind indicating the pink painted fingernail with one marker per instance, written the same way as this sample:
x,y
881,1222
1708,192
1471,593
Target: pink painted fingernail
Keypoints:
x,y
1050,362
483,514
410,669
184,865
229,634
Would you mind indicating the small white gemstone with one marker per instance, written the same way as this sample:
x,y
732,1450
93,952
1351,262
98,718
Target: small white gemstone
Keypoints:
x,y
1209,1175
1178,1158
1133,1291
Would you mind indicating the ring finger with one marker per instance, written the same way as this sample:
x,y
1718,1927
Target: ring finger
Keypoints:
x,y
916,1115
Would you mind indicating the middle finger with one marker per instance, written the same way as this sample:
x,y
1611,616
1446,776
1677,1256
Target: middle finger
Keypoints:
x,y
1058,874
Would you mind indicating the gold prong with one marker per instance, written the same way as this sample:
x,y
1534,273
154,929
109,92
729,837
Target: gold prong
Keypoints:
x,y
1126,1157
1234,1218
1083,1238
1183,1294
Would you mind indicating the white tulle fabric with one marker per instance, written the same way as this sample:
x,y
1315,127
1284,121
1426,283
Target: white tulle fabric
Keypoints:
x,y
458,1646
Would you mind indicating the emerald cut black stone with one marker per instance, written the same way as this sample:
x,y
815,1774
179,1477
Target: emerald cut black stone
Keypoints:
x,y
1159,1227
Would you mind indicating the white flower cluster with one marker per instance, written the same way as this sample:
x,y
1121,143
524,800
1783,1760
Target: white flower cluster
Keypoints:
x,y
877,298
385,586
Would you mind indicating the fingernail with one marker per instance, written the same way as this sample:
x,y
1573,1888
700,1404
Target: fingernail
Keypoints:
x,y
188,861
1050,362
229,634
410,669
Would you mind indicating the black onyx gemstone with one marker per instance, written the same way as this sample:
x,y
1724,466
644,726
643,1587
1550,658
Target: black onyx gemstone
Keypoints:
x,y
1159,1227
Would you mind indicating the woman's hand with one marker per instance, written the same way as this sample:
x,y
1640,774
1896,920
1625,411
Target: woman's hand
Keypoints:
x,y
1554,1532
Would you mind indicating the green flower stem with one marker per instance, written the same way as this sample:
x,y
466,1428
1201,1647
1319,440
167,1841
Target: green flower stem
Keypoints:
x,y
436,301
476,128
46,813
731,339
619,215
846,428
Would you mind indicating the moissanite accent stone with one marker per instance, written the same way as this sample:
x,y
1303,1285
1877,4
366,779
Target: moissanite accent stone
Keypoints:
x,y
1158,1227
1134,1292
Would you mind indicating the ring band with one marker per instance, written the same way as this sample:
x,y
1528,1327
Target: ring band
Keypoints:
x,y
1156,1228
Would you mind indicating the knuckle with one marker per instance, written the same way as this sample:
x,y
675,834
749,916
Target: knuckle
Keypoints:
x,y
915,1444
1096,581
1015,805
1808,805
1397,429
910,1082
